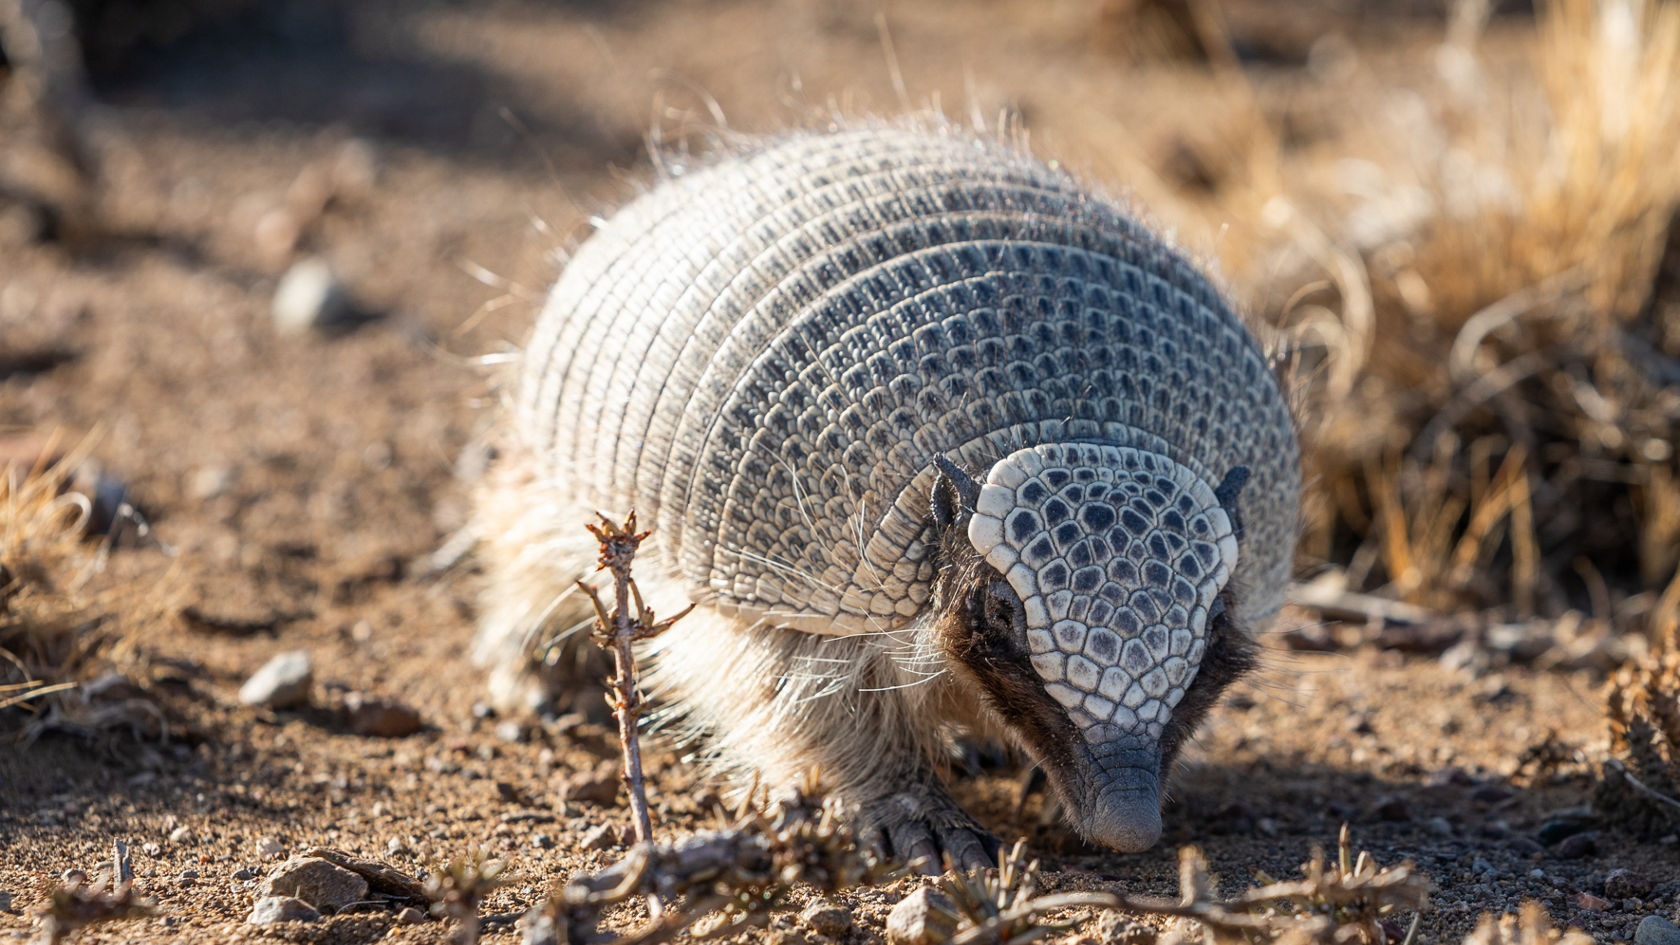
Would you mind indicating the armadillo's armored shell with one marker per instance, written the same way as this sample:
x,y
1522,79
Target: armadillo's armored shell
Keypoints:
x,y
764,356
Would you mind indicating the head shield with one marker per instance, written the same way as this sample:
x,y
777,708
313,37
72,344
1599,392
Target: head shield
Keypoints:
x,y
1117,556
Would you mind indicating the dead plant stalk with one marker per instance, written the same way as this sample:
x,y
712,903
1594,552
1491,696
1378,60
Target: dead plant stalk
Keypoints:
x,y
618,632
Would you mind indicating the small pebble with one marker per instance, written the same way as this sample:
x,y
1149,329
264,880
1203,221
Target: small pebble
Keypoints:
x,y
1490,794
244,873
1391,808
827,918
210,481
1556,831
282,683
272,909
1626,884
592,787
269,847
5,902
395,847
600,837
1576,846
1441,825
151,849
1591,903
181,834
410,916
925,917
377,718
310,296
1451,775
1656,930
510,731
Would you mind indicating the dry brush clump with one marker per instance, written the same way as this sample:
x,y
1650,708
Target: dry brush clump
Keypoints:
x,y
1349,900
457,889
81,902
746,870
1639,786
62,655
1484,324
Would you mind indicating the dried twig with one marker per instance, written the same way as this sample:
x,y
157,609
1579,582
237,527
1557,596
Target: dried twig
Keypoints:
x,y
618,632
1337,903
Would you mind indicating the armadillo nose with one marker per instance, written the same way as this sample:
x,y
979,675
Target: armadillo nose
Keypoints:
x,y
1126,813
1128,821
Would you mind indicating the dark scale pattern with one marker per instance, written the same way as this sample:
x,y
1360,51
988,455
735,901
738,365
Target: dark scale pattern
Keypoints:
x,y
764,356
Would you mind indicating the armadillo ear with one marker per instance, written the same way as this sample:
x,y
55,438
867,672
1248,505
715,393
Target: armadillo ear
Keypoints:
x,y
954,492
1229,495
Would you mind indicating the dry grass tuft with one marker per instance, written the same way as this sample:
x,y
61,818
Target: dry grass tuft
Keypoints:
x,y
1640,784
1488,333
1532,927
60,653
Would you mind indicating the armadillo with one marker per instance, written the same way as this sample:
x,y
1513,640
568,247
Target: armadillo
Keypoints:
x,y
939,442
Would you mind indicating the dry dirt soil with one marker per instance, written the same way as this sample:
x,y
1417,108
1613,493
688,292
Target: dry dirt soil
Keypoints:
x,y
298,485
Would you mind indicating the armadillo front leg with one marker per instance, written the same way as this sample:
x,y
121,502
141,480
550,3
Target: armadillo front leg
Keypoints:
x,y
859,710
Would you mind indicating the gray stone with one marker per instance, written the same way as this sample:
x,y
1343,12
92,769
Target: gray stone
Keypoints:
x,y
827,917
310,296
1656,930
272,909
1626,884
925,917
324,885
282,683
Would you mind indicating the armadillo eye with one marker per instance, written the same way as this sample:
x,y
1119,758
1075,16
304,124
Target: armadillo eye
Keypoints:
x,y
1000,605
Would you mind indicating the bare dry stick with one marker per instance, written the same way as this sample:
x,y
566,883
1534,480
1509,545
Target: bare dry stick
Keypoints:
x,y
618,632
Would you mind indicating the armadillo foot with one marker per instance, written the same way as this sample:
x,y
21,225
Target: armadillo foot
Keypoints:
x,y
924,832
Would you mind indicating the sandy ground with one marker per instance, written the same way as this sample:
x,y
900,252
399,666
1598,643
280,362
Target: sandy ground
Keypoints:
x,y
297,485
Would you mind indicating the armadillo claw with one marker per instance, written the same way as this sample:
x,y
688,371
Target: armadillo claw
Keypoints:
x,y
931,834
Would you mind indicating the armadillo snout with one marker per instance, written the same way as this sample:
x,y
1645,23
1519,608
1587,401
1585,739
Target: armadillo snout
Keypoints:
x,y
1125,783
